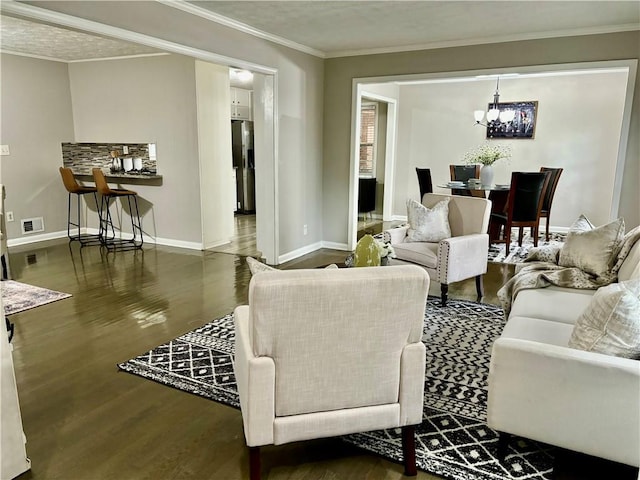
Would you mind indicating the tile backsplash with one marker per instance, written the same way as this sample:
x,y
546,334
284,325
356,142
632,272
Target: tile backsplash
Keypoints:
x,y
82,157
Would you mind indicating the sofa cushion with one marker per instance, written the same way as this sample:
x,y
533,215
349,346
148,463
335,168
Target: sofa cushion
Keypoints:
x,y
422,253
428,224
630,266
611,322
592,249
537,330
557,304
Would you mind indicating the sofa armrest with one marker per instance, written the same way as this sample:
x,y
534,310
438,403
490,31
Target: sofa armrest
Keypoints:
x,y
412,370
578,400
462,257
256,379
398,234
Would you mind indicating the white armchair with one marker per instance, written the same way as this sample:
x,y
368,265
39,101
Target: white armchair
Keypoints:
x,y
328,352
462,256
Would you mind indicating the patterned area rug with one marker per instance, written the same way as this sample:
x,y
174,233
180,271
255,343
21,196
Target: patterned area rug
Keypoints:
x,y
453,439
18,297
517,254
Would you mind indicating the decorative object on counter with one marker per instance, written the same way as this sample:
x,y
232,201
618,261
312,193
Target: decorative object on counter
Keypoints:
x,y
116,163
127,164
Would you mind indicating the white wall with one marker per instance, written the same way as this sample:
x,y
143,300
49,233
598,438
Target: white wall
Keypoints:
x,y
140,100
214,150
577,128
36,117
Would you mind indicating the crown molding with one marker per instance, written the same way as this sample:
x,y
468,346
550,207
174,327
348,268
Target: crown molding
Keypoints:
x,y
30,55
486,40
121,57
242,27
56,18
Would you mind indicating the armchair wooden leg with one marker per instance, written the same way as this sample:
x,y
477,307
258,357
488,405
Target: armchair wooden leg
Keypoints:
x,y
444,291
479,287
409,450
254,463
503,445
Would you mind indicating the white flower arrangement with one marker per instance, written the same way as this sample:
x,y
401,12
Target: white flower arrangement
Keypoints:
x,y
385,249
487,154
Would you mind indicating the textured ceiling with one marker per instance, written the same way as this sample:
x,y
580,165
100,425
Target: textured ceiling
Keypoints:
x,y
22,36
346,27
343,26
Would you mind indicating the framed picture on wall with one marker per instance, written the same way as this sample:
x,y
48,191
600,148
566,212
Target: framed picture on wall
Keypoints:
x,y
523,124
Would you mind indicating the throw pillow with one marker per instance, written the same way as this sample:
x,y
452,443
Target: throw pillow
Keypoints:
x,y
611,322
592,250
428,224
256,266
367,253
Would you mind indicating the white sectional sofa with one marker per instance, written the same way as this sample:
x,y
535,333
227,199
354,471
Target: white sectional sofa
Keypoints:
x,y
541,389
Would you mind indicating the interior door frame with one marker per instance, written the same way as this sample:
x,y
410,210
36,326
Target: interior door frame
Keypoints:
x,y
267,232
359,85
389,161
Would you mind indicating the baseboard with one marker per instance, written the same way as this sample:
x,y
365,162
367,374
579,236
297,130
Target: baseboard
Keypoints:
x,y
335,246
299,252
169,242
401,218
43,237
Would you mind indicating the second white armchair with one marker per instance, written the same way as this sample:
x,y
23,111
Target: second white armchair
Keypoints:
x,y
461,256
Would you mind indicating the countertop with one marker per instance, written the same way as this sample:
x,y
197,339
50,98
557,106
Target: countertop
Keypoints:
x,y
127,178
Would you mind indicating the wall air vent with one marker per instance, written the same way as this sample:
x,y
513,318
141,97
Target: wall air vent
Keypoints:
x,y
32,225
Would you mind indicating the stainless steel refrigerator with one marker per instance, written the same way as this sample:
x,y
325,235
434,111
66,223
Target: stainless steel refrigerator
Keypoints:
x,y
243,163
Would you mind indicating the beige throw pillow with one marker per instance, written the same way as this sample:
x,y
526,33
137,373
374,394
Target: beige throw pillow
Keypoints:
x,y
611,322
428,224
592,249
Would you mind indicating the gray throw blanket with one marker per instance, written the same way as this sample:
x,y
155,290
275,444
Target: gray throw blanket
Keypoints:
x,y
541,270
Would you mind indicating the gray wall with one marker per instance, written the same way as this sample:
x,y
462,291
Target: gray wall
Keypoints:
x,y
577,128
36,118
340,72
299,99
151,100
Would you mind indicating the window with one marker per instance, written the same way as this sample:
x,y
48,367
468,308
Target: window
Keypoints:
x,y
368,133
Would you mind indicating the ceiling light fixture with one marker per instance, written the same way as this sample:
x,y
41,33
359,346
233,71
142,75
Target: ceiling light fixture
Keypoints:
x,y
494,113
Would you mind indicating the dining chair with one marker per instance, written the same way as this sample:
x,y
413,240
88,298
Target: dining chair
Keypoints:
x,y
464,173
554,177
424,181
524,205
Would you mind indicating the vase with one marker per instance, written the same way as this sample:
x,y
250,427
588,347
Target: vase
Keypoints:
x,y
486,175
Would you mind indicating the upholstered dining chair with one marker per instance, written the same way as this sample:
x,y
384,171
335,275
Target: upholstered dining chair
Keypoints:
x,y
464,173
424,181
328,352
524,204
545,212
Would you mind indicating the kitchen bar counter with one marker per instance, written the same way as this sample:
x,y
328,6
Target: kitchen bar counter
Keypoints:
x,y
125,178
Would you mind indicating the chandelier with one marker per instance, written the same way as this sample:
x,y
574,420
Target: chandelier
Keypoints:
x,y
494,113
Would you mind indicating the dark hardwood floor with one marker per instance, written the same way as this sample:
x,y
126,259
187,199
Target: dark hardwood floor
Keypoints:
x,y
86,420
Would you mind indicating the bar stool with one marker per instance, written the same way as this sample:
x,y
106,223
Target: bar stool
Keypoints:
x,y
73,187
106,222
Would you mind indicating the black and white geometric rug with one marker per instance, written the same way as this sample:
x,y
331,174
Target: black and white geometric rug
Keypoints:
x,y
517,254
453,440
